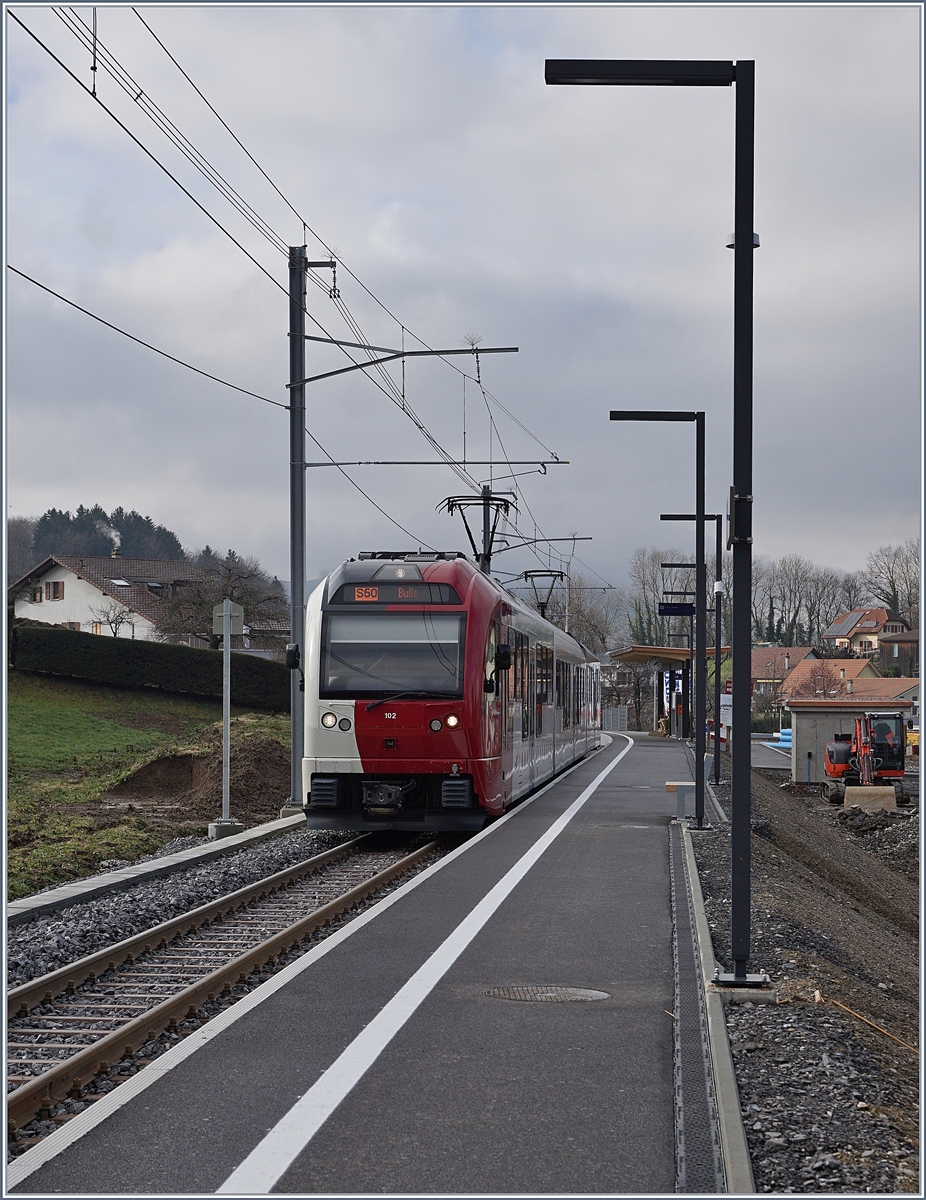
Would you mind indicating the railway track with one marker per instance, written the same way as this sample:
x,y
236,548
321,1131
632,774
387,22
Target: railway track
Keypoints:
x,y
65,1028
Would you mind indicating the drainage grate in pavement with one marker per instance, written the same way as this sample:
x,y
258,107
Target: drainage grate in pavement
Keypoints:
x,y
539,992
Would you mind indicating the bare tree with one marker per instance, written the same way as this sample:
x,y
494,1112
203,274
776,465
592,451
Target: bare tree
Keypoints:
x,y
645,626
595,613
793,581
821,679
242,580
892,574
114,614
823,602
853,591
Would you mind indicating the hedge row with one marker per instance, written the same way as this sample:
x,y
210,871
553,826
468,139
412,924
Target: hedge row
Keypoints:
x,y
255,682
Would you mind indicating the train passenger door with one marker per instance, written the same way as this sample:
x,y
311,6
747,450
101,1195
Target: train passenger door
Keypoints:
x,y
543,727
519,702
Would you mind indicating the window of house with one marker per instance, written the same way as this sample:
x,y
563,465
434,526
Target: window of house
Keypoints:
x,y
96,627
55,590
37,595
896,650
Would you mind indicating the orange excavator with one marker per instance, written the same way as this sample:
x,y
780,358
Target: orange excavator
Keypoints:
x,y
867,766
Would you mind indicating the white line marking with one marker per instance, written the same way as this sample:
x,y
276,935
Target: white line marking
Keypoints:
x,y
273,1156
27,1164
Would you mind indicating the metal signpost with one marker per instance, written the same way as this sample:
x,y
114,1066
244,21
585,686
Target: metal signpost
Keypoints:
x,y
227,620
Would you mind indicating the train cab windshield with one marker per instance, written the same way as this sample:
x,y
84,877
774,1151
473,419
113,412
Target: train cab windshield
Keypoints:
x,y
380,653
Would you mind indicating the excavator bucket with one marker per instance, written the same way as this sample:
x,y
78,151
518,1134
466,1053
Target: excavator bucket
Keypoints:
x,y
871,799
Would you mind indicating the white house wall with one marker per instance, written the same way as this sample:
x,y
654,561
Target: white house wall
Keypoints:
x,y
80,598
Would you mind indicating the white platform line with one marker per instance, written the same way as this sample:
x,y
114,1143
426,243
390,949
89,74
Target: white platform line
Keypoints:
x,y
272,1157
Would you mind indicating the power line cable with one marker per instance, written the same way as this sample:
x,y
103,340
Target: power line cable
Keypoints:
x,y
178,139
355,484
147,345
307,227
216,222
152,156
120,74
216,379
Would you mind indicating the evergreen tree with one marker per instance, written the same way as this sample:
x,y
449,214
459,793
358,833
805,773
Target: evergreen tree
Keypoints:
x,y
94,532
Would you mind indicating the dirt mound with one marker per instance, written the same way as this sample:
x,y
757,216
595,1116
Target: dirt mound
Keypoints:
x,y
186,789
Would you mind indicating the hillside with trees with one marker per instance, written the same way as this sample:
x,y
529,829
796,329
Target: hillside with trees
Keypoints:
x,y
90,531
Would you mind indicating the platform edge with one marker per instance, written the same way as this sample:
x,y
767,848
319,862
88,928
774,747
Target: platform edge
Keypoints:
x,y
736,1160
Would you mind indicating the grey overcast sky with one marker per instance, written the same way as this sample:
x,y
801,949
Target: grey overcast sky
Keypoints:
x,y
584,225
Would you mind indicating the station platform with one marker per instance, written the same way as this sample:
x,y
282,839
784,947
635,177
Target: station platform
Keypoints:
x,y
437,1044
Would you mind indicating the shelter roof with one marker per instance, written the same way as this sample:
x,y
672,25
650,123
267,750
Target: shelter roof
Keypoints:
x,y
666,654
848,703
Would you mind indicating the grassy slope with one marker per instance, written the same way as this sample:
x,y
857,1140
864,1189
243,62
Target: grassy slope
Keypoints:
x,y
68,742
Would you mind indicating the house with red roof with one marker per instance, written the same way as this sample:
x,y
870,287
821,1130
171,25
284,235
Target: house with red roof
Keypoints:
x,y
121,597
857,632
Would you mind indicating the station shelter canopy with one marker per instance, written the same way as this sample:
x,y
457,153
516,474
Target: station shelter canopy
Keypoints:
x,y
665,654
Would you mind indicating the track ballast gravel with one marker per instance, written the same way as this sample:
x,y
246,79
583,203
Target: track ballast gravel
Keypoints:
x,y
49,942
829,1103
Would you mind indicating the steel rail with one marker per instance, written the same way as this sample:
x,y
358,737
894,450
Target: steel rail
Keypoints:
x,y
72,1073
42,990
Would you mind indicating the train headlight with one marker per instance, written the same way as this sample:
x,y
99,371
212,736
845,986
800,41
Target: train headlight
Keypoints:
x,y
344,724
329,720
452,721
436,724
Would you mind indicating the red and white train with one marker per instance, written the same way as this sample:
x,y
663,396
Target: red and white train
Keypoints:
x,y
434,698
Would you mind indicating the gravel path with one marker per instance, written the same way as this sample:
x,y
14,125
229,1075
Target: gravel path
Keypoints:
x,y
830,1104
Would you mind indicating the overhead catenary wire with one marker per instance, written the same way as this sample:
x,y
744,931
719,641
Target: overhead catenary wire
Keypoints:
x,y
149,153
130,86
141,342
321,241
216,379
355,484
386,384
413,416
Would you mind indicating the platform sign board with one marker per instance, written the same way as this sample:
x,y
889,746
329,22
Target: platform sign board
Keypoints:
x,y
676,610
237,618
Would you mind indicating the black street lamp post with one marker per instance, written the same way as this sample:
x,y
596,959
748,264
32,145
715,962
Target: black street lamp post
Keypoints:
x,y
700,638
697,73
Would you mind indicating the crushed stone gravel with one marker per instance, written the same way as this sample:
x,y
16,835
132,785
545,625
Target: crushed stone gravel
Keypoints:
x,y
56,939
830,1104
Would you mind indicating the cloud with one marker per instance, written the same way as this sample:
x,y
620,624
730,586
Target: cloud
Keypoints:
x,y
585,225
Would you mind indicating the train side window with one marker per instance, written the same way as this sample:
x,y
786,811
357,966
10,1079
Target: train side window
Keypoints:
x,y
562,692
491,674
